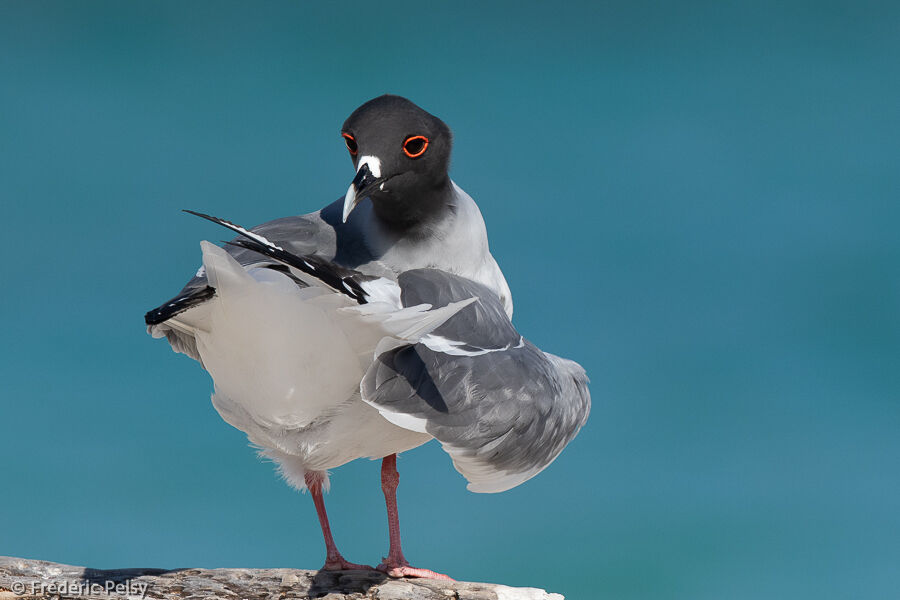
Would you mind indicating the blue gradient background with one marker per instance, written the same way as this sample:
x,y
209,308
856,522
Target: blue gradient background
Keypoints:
x,y
698,201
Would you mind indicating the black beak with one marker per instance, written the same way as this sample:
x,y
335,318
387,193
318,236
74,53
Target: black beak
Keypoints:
x,y
361,186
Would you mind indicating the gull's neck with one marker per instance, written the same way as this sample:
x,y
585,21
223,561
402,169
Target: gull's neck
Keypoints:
x,y
454,239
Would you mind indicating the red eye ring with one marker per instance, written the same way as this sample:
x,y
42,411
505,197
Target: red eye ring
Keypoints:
x,y
417,151
350,141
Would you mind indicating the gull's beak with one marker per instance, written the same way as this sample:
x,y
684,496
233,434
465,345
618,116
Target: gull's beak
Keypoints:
x,y
368,177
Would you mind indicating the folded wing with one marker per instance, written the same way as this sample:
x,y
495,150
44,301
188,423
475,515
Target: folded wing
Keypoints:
x,y
301,235
501,407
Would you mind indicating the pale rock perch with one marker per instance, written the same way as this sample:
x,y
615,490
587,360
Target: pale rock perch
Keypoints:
x,y
24,578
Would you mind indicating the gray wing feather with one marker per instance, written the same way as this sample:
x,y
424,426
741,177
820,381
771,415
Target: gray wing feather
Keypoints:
x,y
301,235
501,407
479,326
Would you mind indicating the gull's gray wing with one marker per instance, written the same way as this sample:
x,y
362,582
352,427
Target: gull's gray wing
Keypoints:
x,y
301,235
314,236
501,407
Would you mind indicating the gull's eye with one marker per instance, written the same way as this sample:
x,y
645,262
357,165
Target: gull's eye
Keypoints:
x,y
415,146
351,143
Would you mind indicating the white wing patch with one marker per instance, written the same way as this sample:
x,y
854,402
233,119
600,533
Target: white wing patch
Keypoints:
x,y
437,343
403,420
382,290
253,236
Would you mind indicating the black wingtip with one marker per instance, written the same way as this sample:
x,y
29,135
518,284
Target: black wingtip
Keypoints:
x,y
201,215
328,273
178,305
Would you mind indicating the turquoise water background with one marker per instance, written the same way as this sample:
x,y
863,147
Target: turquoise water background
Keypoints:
x,y
698,201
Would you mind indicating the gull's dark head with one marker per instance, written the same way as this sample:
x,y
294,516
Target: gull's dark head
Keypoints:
x,y
401,155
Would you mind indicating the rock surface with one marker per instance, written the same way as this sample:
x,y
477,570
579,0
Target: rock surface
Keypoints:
x,y
23,578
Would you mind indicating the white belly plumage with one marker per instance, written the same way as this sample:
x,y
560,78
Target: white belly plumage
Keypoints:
x,y
287,362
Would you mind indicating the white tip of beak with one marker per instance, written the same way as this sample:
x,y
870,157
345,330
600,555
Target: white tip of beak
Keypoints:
x,y
350,202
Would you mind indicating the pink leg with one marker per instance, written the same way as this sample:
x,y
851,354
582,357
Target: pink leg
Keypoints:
x,y
395,564
333,559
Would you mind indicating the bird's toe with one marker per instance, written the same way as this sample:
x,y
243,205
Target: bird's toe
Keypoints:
x,y
341,564
404,570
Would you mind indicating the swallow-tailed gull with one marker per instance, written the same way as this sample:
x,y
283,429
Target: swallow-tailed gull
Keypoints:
x,y
374,325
